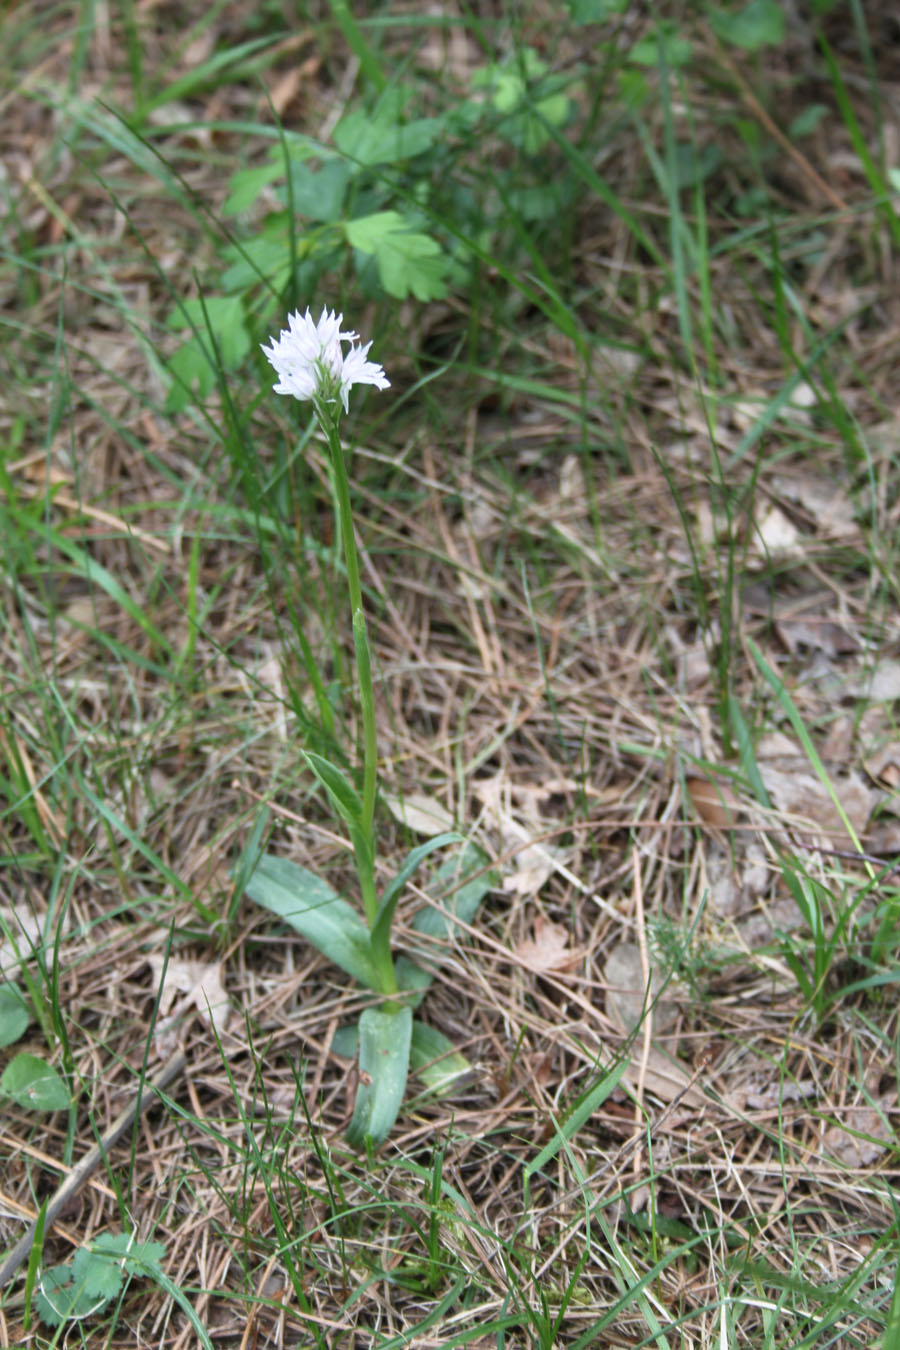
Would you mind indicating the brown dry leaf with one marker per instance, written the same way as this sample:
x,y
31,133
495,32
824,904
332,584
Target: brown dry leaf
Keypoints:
x,y
883,765
664,1077
420,813
837,746
534,865
884,839
200,982
709,528
626,997
774,536
799,793
881,684
814,632
859,1145
26,930
548,949
829,507
571,481
515,811
286,89
715,803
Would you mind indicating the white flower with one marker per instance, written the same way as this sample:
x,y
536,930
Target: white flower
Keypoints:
x,y
310,362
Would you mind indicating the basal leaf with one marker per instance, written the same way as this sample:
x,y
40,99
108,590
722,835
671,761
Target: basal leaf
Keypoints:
x,y
458,897
314,909
384,1042
345,1042
434,1059
412,977
393,891
459,886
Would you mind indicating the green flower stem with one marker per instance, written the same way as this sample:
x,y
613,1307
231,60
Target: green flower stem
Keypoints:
x,y
328,419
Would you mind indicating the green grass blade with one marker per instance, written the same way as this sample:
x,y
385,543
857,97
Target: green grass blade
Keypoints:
x,y
790,710
581,1113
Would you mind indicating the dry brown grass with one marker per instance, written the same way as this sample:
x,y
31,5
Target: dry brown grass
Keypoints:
x,y
568,716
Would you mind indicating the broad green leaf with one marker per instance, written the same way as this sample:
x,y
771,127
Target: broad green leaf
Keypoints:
x,y
595,11
311,906
247,185
219,321
457,895
407,261
318,193
34,1085
345,1042
458,898
61,1297
665,44
94,1276
806,122
384,1042
96,1273
14,1014
412,977
435,1059
759,24
382,140
382,925
266,257
526,100
141,1258
192,375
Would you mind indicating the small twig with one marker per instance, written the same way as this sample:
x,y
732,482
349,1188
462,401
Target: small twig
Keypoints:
x,y
90,1162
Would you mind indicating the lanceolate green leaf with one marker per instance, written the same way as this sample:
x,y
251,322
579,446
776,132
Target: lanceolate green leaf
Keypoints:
x,y
343,794
435,1059
458,898
382,926
348,804
311,906
460,885
412,979
384,1042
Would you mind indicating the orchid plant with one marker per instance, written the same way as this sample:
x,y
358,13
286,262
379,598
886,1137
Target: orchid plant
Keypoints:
x,y
312,365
